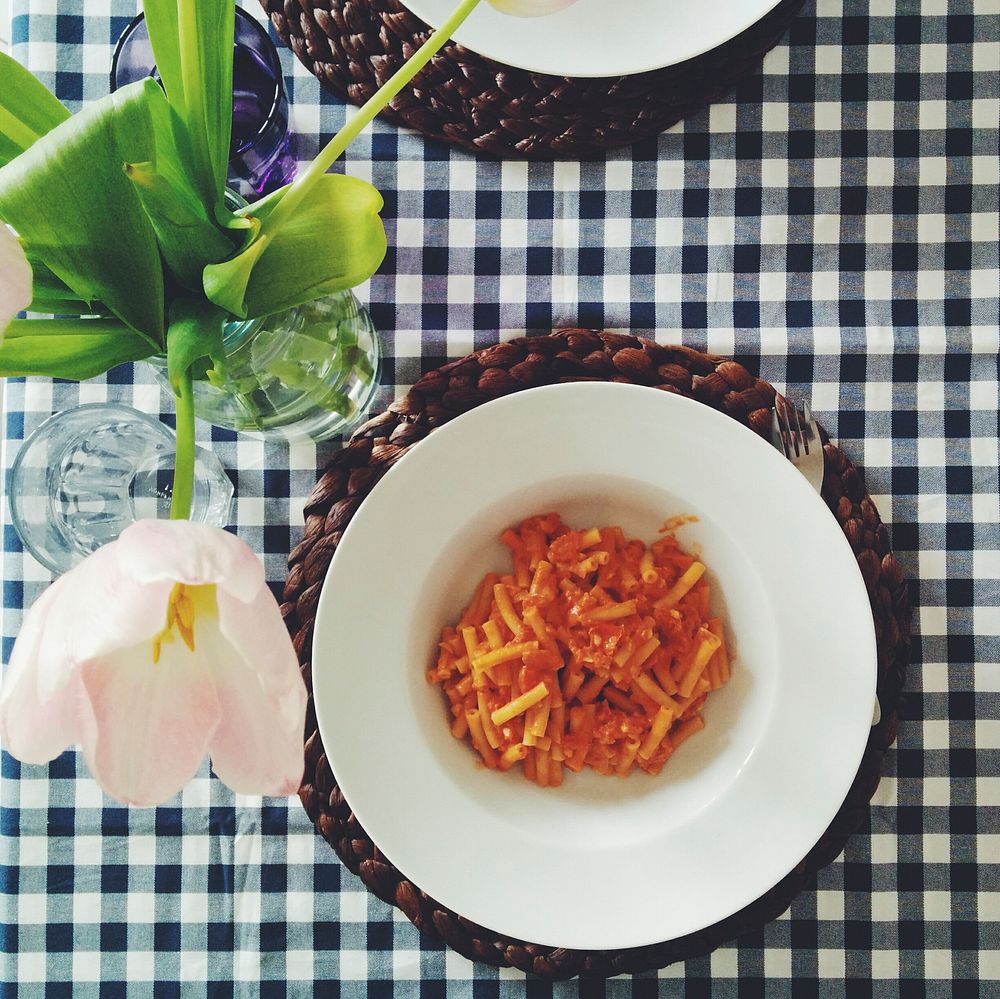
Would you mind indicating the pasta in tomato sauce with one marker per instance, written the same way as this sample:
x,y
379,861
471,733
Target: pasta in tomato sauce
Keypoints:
x,y
595,651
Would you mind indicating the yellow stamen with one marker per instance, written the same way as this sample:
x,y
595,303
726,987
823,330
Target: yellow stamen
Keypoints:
x,y
185,609
182,606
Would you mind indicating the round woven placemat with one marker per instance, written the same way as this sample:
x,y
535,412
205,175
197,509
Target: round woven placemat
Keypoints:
x,y
354,46
439,396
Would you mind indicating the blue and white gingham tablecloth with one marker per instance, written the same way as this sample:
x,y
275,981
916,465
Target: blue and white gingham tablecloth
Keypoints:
x,y
834,224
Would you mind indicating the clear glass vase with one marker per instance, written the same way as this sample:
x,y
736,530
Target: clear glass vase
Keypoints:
x,y
305,373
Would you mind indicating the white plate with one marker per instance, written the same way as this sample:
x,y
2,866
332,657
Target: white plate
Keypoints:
x,y
600,862
597,38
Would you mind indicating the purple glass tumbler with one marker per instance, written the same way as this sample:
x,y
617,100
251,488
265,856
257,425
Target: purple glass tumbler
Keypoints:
x,y
262,148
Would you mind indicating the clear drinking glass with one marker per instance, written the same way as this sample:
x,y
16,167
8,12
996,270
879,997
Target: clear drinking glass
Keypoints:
x,y
262,148
89,472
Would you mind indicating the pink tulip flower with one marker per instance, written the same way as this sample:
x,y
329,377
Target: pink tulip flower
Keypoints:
x,y
15,278
530,8
160,646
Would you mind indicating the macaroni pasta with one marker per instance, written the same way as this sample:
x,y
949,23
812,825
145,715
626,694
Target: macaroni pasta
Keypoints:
x,y
596,651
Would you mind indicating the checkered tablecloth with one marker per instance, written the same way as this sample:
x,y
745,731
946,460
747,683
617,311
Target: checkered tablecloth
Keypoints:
x,y
833,224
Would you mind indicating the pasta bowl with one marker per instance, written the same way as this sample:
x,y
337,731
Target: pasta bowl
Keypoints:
x,y
600,862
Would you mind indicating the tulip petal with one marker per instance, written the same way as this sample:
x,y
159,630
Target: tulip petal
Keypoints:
x,y
15,278
36,731
151,722
98,610
257,747
258,634
178,551
33,729
530,8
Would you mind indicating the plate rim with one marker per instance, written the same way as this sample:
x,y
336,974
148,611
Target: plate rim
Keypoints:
x,y
418,8
860,592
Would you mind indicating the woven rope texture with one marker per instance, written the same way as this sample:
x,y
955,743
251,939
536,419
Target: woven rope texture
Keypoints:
x,y
354,46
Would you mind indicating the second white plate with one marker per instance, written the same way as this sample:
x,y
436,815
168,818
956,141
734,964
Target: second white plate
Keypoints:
x,y
597,38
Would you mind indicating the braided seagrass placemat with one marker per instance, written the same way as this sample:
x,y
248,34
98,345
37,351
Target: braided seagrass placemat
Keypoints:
x,y
578,355
354,46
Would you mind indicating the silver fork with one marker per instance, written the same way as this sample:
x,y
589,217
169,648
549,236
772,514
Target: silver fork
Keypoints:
x,y
795,434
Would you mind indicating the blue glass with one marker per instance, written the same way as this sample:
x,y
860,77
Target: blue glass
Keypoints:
x,y
262,148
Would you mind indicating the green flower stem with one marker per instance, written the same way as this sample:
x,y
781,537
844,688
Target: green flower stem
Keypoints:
x,y
333,149
180,505
194,84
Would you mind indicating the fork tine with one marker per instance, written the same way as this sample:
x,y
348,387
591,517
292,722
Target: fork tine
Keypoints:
x,y
791,420
777,437
800,435
807,425
784,430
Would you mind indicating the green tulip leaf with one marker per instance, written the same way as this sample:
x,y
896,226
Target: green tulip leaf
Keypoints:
x,y
332,241
190,229
195,333
27,109
49,294
69,200
176,165
187,238
69,348
190,42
